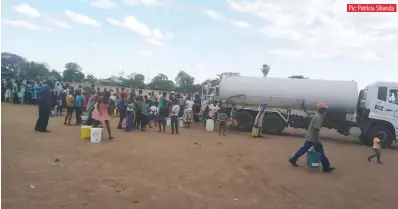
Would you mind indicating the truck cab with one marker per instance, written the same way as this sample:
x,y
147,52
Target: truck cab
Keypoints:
x,y
377,110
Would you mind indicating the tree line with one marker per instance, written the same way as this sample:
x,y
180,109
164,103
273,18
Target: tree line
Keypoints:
x,y
18,67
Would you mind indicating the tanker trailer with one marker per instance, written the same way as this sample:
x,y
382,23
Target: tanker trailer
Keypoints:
x,y
293,102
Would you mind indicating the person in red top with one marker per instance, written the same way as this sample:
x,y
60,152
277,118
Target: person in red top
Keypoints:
x,y
119,94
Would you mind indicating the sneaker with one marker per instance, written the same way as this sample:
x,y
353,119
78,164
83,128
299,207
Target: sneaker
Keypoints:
x,y
293,162
328,170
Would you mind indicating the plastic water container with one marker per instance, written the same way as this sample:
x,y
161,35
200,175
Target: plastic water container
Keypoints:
x,y
209,125
84,118
181,123
168,122
85,133
313,158
96,135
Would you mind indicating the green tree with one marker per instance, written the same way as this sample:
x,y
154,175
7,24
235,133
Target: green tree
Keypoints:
x,y
33,70
91,79
11,64
134,80
161,82
73,72
265,70
55,75
184,81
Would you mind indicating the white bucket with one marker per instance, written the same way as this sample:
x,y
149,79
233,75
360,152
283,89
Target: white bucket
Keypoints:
x,y
181,122
209,125
168,122
96,135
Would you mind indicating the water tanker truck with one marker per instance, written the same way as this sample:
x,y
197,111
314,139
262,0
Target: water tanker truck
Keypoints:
x,y
292,103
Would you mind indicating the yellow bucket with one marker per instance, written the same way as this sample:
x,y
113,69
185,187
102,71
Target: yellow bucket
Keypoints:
x,y
115,112
255,132
85,133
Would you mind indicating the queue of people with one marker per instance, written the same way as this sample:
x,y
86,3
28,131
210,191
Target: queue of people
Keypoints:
x,y
135,111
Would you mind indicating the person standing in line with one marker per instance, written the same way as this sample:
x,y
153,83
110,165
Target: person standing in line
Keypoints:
x,y
121,108
145,113
70,102
377,147
174,117
148,100
130,116
188,112
79,100
8,93
182,105
100,112
138,107
312,139
222,117
163,112
45,104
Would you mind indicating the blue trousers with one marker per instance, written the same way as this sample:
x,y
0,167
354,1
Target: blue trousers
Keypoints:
x,y
318,147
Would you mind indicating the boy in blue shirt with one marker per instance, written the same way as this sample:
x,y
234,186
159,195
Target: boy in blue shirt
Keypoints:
x,y
79,100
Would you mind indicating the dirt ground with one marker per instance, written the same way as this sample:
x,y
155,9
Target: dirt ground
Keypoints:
x,y
194,170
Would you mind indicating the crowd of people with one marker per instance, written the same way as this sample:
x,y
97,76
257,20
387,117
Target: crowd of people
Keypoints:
x,y
134,109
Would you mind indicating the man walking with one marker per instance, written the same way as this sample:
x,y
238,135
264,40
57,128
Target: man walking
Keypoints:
x,y
312,139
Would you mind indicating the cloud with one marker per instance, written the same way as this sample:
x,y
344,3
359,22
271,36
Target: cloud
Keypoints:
x,y
240,23
154,42
21,24
213,14
114,21
144,2
81,19
27,10
59,23
169,35
217,16
145,53
323,29
104,4
153,36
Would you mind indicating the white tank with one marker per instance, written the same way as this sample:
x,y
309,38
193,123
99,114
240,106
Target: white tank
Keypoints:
x,y
290,93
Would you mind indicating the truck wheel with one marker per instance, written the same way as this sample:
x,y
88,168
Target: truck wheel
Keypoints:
x,y
273,124
372,132
245,120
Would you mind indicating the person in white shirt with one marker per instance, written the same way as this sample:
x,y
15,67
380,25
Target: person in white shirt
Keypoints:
x,y
174,117
188,112
213,110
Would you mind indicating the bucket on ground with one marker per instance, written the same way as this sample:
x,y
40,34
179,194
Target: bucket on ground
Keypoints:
x,y
313,158
85,132
209,125
168,122
255,132
181,123
96,135
84,118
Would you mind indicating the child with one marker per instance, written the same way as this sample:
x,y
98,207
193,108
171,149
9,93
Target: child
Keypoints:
x,y
130,116
222,117
174,117
70,101
377,147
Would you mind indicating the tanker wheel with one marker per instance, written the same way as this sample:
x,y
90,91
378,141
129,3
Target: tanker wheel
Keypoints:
x,y
273,124
245,120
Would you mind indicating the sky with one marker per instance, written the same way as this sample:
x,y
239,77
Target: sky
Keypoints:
x,y
314,38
